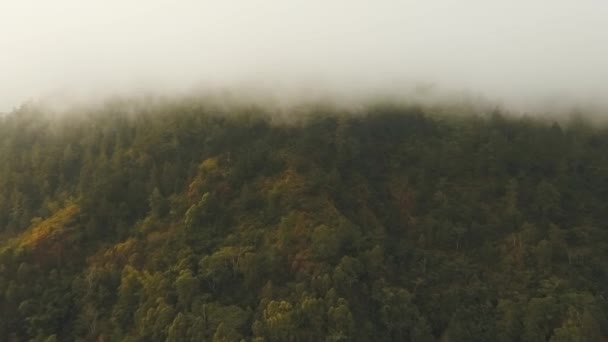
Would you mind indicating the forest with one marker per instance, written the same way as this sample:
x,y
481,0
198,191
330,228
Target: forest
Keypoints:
x,y
181,220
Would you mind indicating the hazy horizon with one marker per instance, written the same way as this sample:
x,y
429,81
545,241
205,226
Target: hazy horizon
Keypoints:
x,y
518,53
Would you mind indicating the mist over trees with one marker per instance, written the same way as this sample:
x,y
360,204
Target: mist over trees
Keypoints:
x,y
182,221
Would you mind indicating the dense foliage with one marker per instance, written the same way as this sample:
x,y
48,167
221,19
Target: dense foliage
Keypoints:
x,y
181,221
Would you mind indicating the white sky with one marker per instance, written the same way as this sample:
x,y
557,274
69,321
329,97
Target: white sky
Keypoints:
x,y
505,49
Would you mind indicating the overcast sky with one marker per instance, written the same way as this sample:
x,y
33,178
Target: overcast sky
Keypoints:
x,y
504,49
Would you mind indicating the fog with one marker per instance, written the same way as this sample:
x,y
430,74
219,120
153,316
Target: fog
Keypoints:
x,y
518,53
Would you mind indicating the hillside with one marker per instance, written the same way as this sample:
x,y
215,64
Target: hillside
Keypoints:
x,y
180,220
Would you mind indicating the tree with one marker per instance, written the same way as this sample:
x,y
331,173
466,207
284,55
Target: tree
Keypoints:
x,y
278,322
157,203
178,331
186,286
547,200
538,319
341,325
129,296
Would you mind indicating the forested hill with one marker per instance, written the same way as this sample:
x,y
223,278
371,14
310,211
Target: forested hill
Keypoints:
x,y
180,221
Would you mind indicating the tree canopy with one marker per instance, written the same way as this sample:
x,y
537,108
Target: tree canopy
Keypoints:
x,y
182,221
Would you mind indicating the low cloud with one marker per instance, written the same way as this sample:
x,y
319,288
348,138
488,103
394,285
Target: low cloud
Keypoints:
x,y
524,54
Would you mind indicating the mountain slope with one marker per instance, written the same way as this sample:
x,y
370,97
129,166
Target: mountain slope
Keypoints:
x,y
180,220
